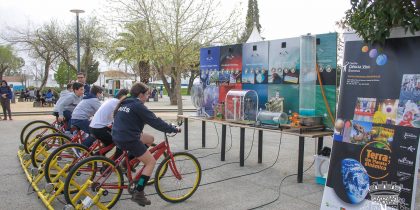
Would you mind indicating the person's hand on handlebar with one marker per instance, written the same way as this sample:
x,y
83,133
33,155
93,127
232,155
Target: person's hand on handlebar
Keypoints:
x,y
178,129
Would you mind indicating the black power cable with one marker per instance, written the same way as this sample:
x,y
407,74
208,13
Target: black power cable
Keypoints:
x,y
279,188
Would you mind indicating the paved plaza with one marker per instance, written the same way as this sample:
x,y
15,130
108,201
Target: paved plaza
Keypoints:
x,y
243,192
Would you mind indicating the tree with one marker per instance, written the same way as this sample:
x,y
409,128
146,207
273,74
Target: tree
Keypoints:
x,y
90,68
64,74
36,42
252,17
373,19
176,30
9,61
132,46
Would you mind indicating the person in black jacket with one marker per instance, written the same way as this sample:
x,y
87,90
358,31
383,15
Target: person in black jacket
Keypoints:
x,y
130,116
6,95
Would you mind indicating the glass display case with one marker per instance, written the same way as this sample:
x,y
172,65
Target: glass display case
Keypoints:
x,y
241,106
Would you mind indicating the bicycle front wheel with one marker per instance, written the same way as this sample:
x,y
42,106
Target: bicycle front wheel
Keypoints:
x,y
66,156
44,146
177,179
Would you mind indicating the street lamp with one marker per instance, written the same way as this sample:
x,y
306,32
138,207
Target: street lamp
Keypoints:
x,y
78,11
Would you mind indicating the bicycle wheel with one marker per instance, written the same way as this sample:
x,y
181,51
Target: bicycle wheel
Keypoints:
x,y
181,181
28,127
66,155
99,183
36,134
44,146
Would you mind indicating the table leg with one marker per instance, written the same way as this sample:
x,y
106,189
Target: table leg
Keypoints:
x,y
300,158
320,143
222,153
242,147
186,133
260,145
203,134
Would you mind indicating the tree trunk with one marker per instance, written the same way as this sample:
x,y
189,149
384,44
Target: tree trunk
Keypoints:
x,y
144,71
178,93
46,70
172,93
194,75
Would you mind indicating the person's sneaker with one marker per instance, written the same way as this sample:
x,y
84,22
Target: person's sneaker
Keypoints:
x,y
140,198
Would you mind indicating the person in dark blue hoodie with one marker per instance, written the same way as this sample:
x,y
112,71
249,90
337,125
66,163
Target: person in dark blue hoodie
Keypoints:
x,y
82,79
130,116
6,96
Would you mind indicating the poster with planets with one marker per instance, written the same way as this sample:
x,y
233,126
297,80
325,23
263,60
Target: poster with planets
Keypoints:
x,y
375,155
255,63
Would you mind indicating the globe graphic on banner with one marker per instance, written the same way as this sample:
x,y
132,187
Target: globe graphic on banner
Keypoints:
x,y
355,180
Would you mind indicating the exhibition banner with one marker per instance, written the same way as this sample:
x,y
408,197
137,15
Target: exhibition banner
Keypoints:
x,y
374,159
230,64
255,63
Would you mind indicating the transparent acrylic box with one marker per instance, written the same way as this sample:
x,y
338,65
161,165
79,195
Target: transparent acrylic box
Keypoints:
x,y
241,106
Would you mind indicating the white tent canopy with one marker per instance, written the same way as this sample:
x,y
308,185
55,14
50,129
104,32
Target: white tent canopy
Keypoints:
x,y
255,36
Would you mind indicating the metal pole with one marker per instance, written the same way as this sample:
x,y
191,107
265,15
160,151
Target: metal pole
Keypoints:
x,y
78,43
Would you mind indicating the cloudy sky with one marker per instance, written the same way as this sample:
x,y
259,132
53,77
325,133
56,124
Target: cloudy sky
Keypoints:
x,y
279,18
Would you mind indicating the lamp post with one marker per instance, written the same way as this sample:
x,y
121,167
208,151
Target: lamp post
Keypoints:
x,y
78,11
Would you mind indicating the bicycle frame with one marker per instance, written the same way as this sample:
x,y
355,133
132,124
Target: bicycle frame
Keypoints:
x,y
157,151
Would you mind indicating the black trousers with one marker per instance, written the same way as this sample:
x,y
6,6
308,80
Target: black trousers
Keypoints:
x,y
5,104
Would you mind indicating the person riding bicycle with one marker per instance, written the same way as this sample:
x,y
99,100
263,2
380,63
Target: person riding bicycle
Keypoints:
x,y
68,103
85,110
130,116
102,120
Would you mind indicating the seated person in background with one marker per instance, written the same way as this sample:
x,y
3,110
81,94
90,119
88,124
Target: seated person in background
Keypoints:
x,y
68,103
103,118
40,98
49,96
85,110
31,94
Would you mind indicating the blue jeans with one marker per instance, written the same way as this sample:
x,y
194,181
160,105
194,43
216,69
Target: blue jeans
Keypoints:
x,y
84,126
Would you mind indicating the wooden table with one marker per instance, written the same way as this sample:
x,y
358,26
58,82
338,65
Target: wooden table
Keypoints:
x,y
309,134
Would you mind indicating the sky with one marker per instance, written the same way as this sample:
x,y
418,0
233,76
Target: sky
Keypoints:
x,y
279,18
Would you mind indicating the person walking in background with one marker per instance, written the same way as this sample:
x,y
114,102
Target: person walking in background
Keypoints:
x,y
6,96
82,79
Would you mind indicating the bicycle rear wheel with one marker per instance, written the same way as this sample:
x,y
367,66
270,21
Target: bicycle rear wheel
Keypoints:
x,y
64,156
181,180
28,127
99,182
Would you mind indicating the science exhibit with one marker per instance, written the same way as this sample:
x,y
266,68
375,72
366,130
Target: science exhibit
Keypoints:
x,y
291,78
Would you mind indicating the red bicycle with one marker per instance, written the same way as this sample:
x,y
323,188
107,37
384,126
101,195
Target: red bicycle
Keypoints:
x,y
99,181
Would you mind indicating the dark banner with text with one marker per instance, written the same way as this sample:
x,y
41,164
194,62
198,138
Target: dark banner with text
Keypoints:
x,y
375,151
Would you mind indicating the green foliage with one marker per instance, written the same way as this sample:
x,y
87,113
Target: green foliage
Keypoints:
x,y
252,16
64,74
92,73
9,61
374,19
